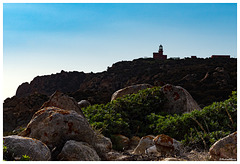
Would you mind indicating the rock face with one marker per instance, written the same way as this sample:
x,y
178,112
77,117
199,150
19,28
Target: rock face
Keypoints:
x,y
17,112
144,143
179,100
129,90
48,84
98,87
78,151
167,145
35,149
225,148
60,100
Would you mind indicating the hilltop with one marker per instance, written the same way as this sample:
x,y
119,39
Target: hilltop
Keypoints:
x,y
207,80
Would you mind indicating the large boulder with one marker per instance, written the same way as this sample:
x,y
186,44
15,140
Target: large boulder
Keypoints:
x,y
55,126
225,148
167,145
129,90
63,101
179,100
144,143
18,146
78,151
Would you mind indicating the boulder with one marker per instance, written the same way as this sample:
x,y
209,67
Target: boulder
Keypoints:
x,y
18,146
78,151
120,142
179,100
225,148
152,150
55,126
63,101
83,103
144,143
134,141
102,145
167,145
129,90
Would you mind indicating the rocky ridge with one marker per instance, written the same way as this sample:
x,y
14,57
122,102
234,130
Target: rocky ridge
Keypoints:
x,y
207,80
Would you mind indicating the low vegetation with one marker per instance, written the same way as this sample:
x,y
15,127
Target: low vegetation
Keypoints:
x,y
140,114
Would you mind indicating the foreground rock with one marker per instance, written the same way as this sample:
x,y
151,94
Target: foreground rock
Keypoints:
x,y
63,101
121,142
18,146
167,145
55,126
225,148
178,97
144,143
78,151
129,90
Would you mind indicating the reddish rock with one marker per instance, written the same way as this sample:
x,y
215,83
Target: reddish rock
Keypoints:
x,y
179,100
167,145
55,126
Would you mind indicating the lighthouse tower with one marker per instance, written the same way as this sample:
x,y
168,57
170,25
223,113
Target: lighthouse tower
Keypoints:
x,y
159,55
160,51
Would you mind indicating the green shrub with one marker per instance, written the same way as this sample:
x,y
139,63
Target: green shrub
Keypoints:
x,y
140,114
126,115
199,128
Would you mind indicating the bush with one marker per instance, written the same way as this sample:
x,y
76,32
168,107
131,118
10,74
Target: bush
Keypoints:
x,y
126,115
140,114
199,128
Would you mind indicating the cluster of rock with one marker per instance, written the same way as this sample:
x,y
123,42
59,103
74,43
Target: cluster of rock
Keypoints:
x,y
60,131
54,129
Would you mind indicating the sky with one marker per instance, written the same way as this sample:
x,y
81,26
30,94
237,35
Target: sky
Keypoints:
x,y
43,39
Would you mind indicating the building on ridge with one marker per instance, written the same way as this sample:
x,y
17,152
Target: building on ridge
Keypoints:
x,y
220,56
159,55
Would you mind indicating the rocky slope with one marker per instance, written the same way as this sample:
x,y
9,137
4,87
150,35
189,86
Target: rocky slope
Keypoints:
x,y
207,80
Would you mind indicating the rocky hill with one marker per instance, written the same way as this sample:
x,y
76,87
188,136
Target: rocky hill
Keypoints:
x,y
207,80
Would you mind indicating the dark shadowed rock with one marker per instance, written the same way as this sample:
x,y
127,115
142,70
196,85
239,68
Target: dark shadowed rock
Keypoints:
x,y
129,90
83,103
19,146
78,151
63,101
17,112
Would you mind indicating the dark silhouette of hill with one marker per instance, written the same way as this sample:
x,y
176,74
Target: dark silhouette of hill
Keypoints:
x,y
207,80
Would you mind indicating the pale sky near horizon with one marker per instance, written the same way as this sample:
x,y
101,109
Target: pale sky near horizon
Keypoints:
x,y
41,39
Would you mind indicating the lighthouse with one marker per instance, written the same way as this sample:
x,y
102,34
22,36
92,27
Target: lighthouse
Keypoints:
x,y
159,55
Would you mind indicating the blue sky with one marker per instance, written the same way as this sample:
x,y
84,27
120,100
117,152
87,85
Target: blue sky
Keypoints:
x,y
41,39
